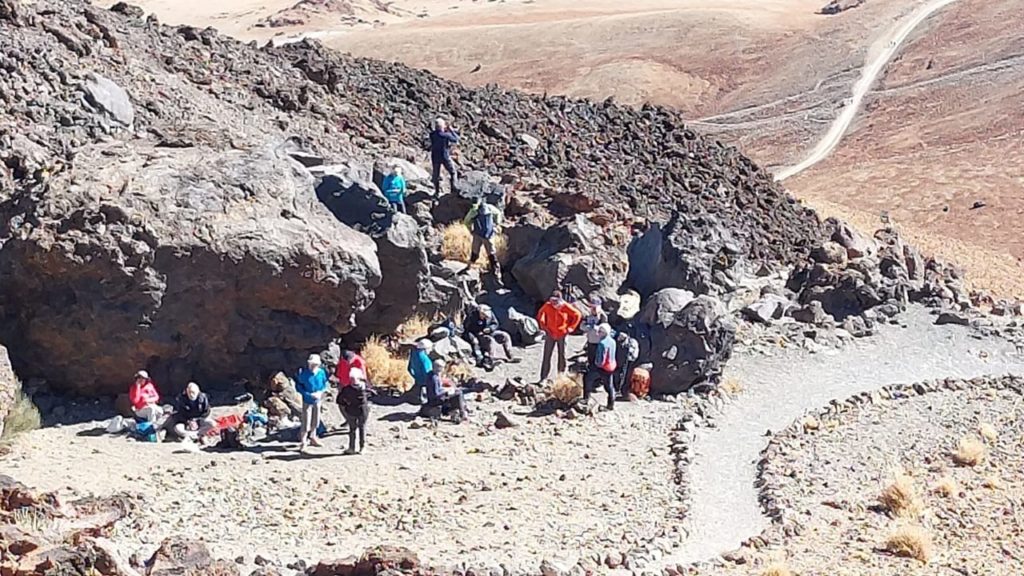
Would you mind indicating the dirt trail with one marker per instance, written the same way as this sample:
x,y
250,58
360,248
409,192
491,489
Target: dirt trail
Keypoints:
x,y
777,390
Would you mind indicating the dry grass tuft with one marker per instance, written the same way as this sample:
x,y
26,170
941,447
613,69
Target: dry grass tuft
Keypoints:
x,y
911,541
385,369
731,386
969,452
567,389
777,569
993,482
900,498
988,432
23,417
416,327
947,487
457,243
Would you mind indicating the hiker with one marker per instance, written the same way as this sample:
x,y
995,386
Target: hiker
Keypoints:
x,y
394,189
311,383
627,352
483,220
601,372
482,331
191,419
594,318
557,319
145,399
450,399
420,367
355,407
348,361
441,139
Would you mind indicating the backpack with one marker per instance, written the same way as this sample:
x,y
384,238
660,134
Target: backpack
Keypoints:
x,y
640,383
608,362
525,327
483,222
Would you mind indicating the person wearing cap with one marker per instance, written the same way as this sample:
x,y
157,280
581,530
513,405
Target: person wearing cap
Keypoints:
x,y
442,138
449,398
311,384
145,399
349,361
594,318
393,187
558,319
191,419
420,366
484,222
482,331
355,407
601,371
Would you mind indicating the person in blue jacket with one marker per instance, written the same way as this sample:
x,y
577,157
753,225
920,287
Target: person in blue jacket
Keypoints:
x,y
441,140
420,367
394,189
311,383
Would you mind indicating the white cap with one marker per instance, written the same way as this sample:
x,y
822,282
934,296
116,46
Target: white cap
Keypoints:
x,y
485,308
192,387
142,374
314,359
425,345
605,329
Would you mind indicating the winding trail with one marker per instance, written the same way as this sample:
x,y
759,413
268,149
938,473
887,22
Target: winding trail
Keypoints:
x,y
872,69
777,390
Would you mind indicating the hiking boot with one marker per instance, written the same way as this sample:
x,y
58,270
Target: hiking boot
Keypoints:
x,y
351,452
514,359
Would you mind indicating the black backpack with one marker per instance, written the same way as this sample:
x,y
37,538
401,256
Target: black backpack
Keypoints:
x,y
483,222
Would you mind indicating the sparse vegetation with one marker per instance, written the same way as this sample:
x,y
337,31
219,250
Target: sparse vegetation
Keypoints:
x,y
988,432
900,498
777,569
457,243
416,327
567,389
993,482
23,417
731,386
385,368
969,452
911,541
947,487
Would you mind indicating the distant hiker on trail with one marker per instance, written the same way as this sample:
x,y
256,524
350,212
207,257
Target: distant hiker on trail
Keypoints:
x,y
450,399
191,419
594,318
601,372
394,189
145,399
557,319
482,331
348,361
483,221
420,367
311,383
627,352
355,407
441,140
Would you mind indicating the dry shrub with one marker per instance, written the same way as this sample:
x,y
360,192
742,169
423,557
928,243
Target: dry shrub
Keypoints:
x,y
457,244
385,369
566,389
969,452
900,498
988,432
993,482
416,327
947,487
23,417
777,569
731,386
910,541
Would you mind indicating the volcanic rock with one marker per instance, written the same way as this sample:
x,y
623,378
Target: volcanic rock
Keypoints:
x,y
766,309
8,387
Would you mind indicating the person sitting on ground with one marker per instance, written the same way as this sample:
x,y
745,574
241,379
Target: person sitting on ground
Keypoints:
x,y
601,372
348,361
394,189
145,399
482,331
355,407
557,319
441,140
191,419
627,352
420,367
483,221
311,383
594,318
450,399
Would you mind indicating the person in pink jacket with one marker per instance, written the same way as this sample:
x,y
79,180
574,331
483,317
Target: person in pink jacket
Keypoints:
x,y
145,399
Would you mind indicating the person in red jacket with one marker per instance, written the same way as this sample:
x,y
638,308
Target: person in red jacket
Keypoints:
x,y
145,399
558,319
348,361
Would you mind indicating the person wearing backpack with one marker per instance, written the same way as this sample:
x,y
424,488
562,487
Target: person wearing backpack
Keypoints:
x,y
483,220
355,407
627,352
601,372
441,140
394,189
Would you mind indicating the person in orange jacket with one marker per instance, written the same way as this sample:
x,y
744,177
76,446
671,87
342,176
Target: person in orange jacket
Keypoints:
x,y
558,319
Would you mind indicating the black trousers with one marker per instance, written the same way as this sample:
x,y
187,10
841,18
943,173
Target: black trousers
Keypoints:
x,y
436,164
596,377
357,425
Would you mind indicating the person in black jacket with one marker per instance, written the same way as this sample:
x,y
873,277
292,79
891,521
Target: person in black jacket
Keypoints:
x,y
441,140
355,407
191,419
482,330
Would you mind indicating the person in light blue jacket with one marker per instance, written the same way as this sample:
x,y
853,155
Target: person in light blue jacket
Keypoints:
x,y
311,383
420,367
394,189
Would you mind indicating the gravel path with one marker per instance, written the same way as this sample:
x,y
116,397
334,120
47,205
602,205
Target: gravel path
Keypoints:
x,y
777,390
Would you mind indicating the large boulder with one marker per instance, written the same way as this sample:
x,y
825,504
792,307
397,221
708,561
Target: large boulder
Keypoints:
x,y
687,345
191,263
348,191
8,387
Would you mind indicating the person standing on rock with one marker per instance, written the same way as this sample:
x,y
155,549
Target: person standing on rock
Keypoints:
x,y
394,189
145,399
311,383
420,367
483,221
191,419
441,140
601,372
594,318
557,319
355,407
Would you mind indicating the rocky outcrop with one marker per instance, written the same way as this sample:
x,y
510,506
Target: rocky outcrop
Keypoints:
x,y
194,264
8,387
837,6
